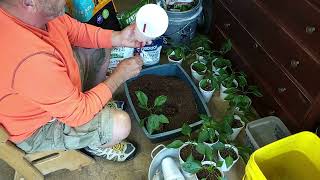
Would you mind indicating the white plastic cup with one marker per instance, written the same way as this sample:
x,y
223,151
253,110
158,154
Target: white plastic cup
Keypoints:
x,y
236,131
224,167
170,170
154,18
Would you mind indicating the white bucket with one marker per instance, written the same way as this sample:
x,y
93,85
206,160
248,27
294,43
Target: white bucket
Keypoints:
x,y
152,21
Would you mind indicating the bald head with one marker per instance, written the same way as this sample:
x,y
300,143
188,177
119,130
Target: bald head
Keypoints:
x,y
34,12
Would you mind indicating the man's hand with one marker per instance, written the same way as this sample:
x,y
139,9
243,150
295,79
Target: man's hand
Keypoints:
x,y
128,38
125,70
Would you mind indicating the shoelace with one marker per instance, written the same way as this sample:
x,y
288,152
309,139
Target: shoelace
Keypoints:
x,y
118,147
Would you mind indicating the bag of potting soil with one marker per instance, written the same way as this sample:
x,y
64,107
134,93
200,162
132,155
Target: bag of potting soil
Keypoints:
x,y
117,55
128,17
150,54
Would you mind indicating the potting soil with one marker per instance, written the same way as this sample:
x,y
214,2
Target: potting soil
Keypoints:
x,y
205,174
228,152
180,107
236,123
190,149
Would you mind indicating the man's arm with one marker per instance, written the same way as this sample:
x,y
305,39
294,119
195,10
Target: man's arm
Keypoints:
x,y
86,35
44,80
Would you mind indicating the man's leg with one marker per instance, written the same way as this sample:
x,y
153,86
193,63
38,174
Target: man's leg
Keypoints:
x,y
93,65
108,128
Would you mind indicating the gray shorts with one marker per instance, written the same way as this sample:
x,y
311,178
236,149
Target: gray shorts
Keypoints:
x,y
57,136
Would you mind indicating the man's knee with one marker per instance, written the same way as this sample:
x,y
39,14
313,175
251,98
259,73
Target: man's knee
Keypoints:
x,y
122,124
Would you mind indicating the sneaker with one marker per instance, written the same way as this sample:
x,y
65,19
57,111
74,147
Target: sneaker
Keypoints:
x,y
123,151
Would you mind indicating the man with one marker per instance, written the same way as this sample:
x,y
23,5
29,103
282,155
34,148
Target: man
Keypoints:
x,y
42,105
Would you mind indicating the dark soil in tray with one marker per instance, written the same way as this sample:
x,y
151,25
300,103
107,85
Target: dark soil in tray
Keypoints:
x,y
206,175
180,106
187,150
228,152
236,123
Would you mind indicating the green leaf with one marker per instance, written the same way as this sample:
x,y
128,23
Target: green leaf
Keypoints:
x,y
186,130
159,101
209,153
199,66
218,146
203,178
219,163
163,119
229,97
226,47
191,167
175,144
206,119
242,81
203,136
229,161
201,148
142,98
231,90
153,123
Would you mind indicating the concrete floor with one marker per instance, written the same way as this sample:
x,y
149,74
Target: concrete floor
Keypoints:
x,y
136,169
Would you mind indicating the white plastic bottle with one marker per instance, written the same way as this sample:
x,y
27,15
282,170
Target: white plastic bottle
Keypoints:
x,y
171,170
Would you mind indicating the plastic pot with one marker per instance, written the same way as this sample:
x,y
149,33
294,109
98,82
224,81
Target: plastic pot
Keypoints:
x,y
211,144
224,167
187,174
210,163
196,76
236,131
222,89
199,57
174,61
206,94
216,70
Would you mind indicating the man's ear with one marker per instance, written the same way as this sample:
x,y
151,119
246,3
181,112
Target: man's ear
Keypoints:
x,y
29,5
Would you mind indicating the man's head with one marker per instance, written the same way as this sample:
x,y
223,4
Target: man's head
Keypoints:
x,y
45,9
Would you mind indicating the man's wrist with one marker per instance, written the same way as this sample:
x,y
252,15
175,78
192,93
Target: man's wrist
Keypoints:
x,y
113,82
116,39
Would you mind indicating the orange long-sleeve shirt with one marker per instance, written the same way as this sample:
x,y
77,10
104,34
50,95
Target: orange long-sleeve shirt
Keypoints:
x,y
40,77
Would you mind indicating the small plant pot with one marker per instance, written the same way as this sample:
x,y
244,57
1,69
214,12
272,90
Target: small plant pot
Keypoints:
x,y
222,89
170,169
187,174
172,60
196,76
207,94
236,131
200,57
198,177
224,167
215,70
210,143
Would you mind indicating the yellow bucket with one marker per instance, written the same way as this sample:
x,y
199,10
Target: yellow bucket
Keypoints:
x,y
296,157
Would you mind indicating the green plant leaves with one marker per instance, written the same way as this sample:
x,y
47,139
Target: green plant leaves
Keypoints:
x,y
231,90
175,144
255,91
186,130
191,165
142,98
228,161
160,100
218,146
242,81
154,122
226,47
203,136
205,150
199,66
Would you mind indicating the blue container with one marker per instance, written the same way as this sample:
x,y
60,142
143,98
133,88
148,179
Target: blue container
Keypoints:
x,y
83,10
168,70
